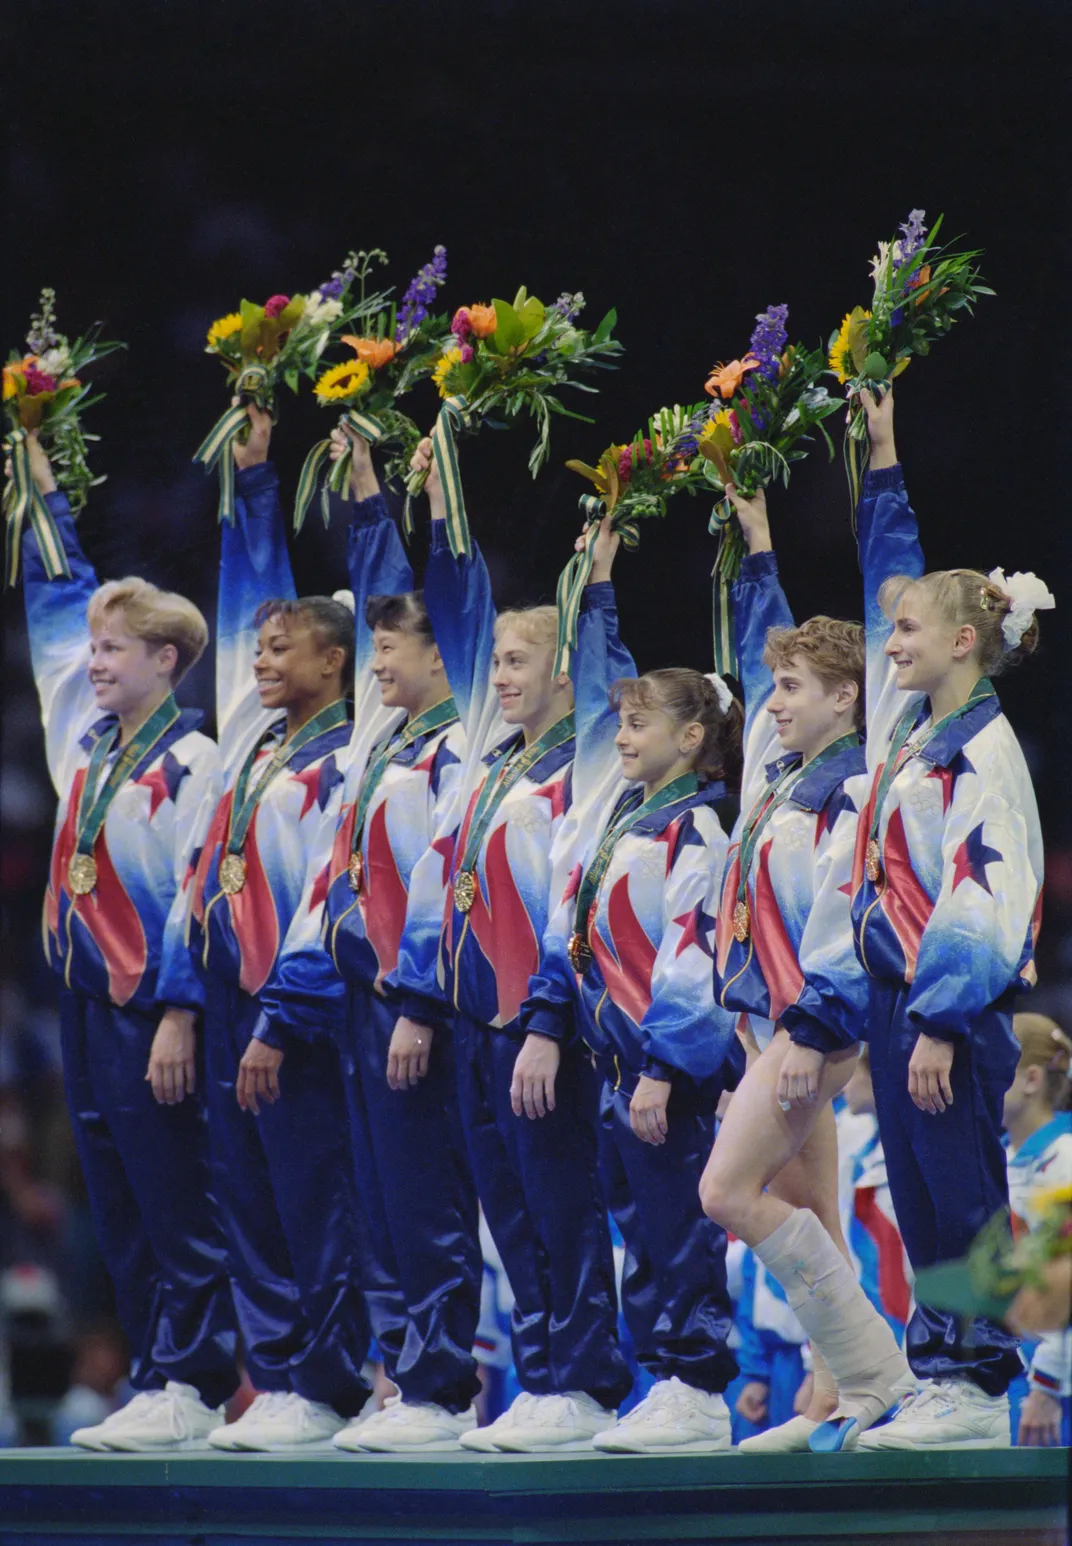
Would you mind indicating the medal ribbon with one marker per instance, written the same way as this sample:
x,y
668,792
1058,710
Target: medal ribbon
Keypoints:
x,y
900,751
90,816
575,576
246,800
445,713
22,500
251,385
681,788
773,800
369,428
497,786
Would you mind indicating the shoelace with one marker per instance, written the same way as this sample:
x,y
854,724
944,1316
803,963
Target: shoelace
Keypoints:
x,y
140,1405
267,1404
940,1395
519,1412
663,1404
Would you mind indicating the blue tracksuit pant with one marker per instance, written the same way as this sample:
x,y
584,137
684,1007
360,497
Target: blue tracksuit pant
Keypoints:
x,y
421,1252
538,1183
147,1175
674,1294
947,1176
284,1185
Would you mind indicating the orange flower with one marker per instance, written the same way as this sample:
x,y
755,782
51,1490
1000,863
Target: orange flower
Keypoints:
x,y
376,352
482,320
69,381
725,379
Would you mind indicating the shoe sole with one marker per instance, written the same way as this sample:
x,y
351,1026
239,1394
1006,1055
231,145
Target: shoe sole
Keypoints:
x,y
117,1446
98,1447
693,1447
411,1449
915,1444
520,1447
485,1447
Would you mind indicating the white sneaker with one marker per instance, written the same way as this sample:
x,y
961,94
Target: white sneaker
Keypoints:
x,y
673,1418
346,1438
96,1436
280,1421
945,1414
544,1423
405,1426
483,1439
789,1438
172,1418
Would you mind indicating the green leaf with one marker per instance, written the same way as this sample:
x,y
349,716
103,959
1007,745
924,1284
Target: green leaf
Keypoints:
x,y
606,327
531,317
875,367
509,331
291,378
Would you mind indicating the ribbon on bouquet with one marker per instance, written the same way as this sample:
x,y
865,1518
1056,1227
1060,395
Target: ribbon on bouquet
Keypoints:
x,y
370,428
215,450
23,501
727,567
575,576
454,417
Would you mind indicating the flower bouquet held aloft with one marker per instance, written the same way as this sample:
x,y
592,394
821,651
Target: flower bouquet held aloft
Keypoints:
x,y
633,482
920,290
388,360
44,394
766,406
505,360
260,346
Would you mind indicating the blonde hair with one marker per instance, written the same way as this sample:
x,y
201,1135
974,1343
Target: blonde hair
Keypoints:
x,y
833,649
1044,1045
536,625
967,596
157,616
688,697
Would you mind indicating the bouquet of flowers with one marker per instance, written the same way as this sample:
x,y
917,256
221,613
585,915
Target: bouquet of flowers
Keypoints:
x,y
920,290
505,360
260,346
766,406
44,392
634,481
399,350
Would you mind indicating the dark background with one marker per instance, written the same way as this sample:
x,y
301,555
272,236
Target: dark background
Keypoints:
x,y
689,163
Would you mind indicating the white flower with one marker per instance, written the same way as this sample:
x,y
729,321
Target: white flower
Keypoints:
x,y
878,263
321,311
55,363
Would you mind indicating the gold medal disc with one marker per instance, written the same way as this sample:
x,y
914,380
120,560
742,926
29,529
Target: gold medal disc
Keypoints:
x,y
742,922
464,890
355,870
232,874
580,954
82,874
873,861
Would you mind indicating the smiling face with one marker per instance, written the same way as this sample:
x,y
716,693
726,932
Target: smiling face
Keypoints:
x,y
292,665
126,672
924,645
651,746
521,675
808,714
408,668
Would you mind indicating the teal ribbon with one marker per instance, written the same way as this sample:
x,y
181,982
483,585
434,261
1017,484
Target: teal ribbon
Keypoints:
x,y
681,788
244,801
444,713
513,765
454,417
575,576
727,567
369,428
94,803
215,450
23,501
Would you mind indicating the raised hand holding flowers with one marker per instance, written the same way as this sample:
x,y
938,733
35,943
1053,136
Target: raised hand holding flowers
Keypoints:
x,y
44,395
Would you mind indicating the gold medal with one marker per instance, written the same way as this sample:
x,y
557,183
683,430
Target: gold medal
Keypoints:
x,y
232,874
873,861
82,874
355,870
742,922
580,954
464,890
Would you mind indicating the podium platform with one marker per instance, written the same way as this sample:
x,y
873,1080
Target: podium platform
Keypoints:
x,y
955,1497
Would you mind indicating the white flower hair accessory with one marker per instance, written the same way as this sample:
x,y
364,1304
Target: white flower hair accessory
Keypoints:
x,y
346,597
1028,595
722,692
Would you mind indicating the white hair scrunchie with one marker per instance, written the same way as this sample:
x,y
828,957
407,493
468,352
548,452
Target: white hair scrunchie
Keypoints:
x,y
346,597
1027,595
722,692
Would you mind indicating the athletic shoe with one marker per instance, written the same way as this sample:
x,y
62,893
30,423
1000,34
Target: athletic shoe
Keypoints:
x,y
96,1437
945,1414
789,1438
673,1418
280,1421
483,1439
406,1426
346,1439
172,1418
545,1423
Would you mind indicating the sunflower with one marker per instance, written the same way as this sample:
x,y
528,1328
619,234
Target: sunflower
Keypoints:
x,y
224,327
344,380
444,366
842,362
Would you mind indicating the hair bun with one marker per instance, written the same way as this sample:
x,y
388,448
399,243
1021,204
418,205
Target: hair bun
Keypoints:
x,y
345,598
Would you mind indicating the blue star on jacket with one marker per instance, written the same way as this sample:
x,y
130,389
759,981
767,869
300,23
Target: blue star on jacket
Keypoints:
x,y
163,782
839,801
696,927
947,776
971,859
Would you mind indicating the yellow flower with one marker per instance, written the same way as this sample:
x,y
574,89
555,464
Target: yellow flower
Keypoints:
x,y
444,366
841,361
344,380
10,389
223,327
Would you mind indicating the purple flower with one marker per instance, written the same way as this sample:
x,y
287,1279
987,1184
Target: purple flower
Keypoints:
x,y
569,306
332,290
913,236
769,340
421,293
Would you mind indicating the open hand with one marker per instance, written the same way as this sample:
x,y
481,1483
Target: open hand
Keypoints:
x,y
532,1088
928,1074
171,1069
258,1076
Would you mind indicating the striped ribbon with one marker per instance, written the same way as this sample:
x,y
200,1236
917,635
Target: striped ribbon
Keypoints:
x,y
23,500
453,417
364,424
215,449
575,576
727,568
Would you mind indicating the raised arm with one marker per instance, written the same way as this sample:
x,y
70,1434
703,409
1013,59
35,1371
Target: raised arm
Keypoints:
x,y
599,660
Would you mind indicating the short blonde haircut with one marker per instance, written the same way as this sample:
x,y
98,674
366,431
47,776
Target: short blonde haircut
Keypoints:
x,y
537,625
967,596
157,616
833,649
1044,1045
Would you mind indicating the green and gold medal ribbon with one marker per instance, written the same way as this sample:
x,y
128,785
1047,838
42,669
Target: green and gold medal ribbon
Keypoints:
x,y
215,449
727,567
435,718
453,417
95,802
513,765
370,428
681,788
23,500
575,576
899,753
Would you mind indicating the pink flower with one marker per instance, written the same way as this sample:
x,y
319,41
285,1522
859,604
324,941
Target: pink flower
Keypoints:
x,y
466,352
275,304
461,327
37,381
627,460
